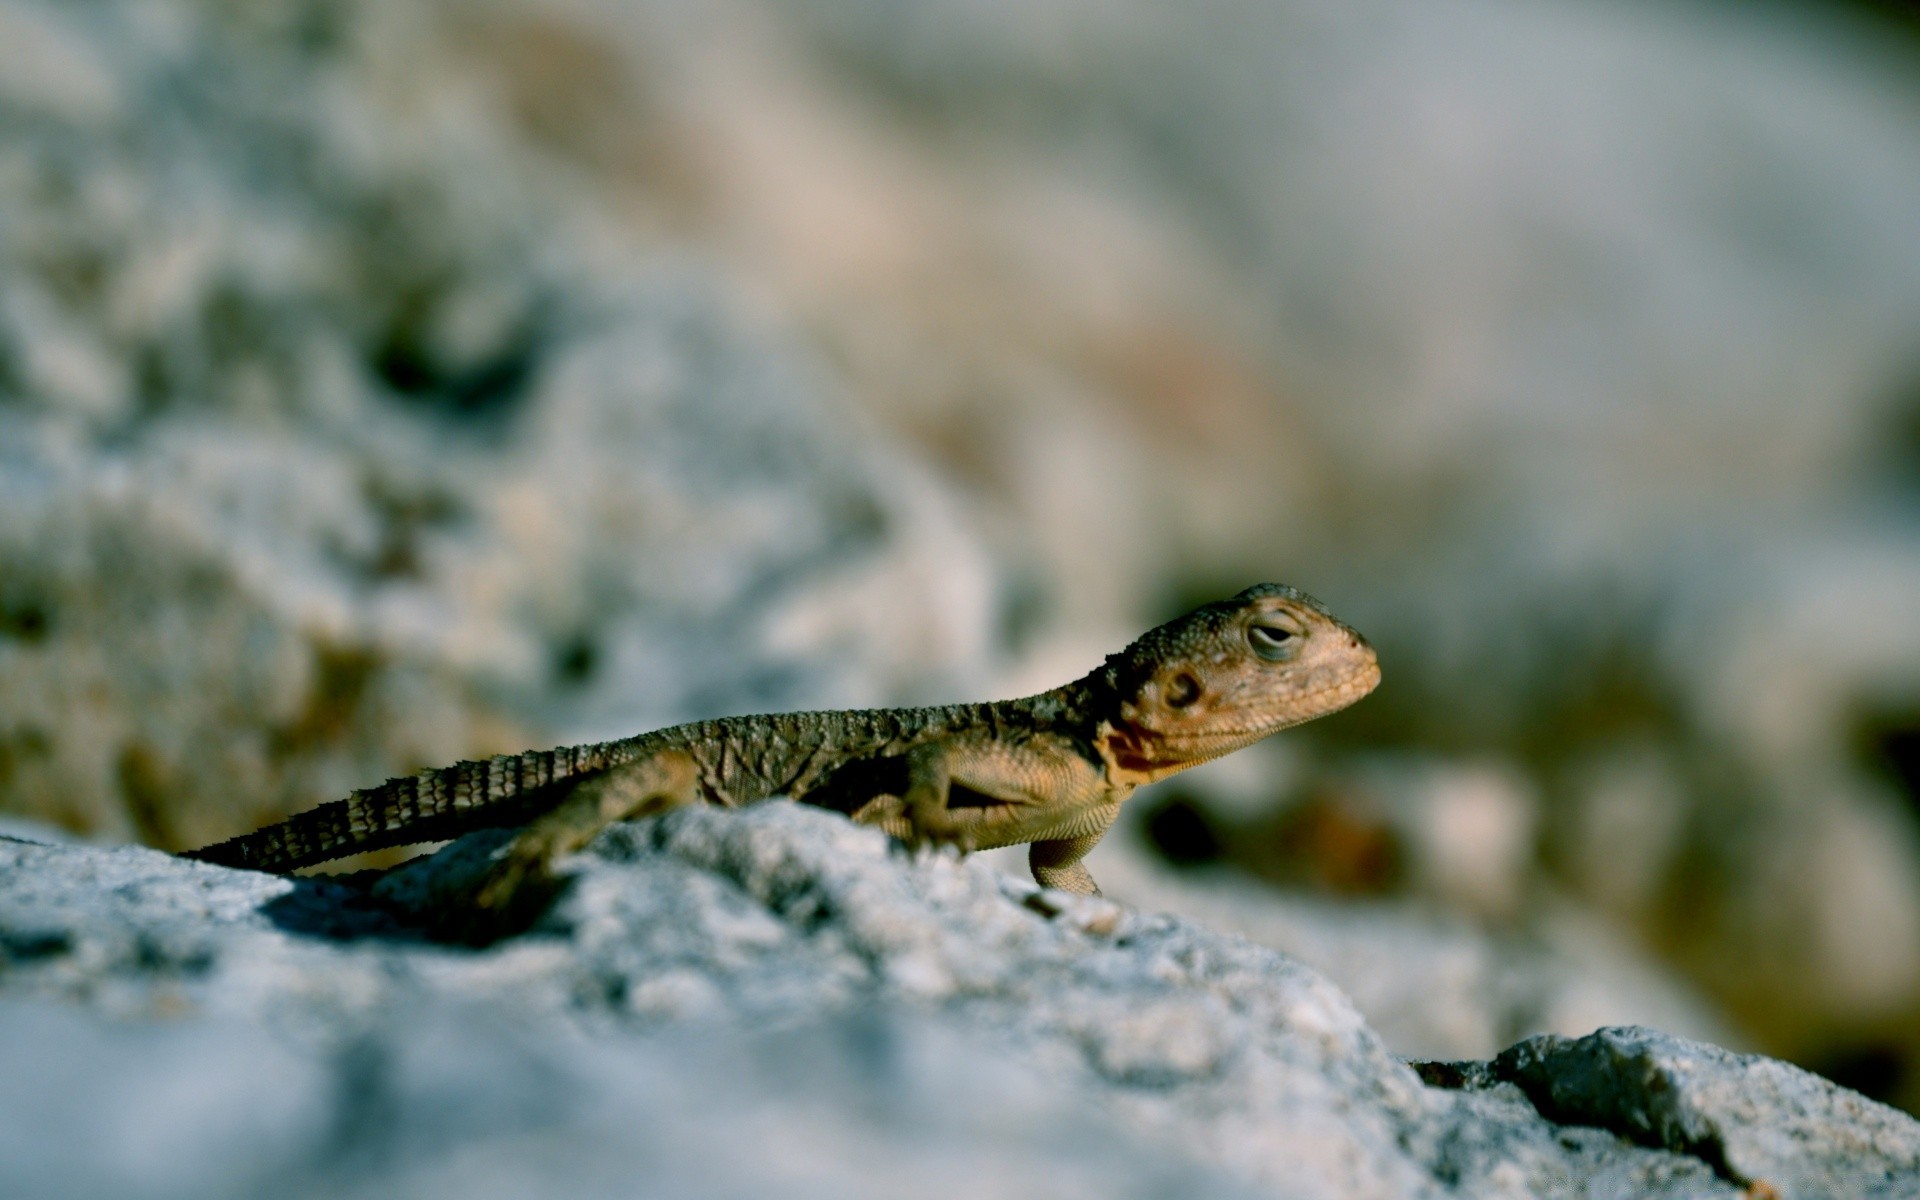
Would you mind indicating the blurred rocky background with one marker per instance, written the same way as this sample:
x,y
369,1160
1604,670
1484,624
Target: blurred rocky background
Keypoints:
x,y
391,382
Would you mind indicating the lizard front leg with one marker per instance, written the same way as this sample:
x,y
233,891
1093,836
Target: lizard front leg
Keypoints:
x,y
521,883
1036,791
1056,863
925,815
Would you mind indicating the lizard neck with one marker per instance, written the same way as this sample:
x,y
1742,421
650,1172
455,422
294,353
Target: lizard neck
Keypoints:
x,y
1134,755
1091,706
1130,756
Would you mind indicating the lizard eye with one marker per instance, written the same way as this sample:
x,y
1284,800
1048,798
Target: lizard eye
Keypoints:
x,y
1182,691
1272,642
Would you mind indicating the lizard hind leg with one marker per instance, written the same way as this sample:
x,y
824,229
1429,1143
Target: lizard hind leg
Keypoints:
x,y
521,883
887,812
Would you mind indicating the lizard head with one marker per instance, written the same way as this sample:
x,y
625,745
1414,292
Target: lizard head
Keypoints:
x,y
1228,674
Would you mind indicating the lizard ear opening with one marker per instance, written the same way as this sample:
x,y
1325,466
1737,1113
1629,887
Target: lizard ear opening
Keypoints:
x,y
1183,690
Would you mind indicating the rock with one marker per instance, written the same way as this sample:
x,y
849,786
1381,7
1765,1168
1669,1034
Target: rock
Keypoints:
x,y
335,443
376,390
777,1000
1565,421
1432,982
455,1103
1757,1120
1434,986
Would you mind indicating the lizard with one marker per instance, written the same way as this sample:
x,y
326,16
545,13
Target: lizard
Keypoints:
x,y
1050,770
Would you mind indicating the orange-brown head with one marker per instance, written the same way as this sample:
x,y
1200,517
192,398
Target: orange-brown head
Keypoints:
x,y
1228,674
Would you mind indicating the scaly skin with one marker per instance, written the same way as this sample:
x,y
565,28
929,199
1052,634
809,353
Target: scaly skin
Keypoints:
x,y
1050,769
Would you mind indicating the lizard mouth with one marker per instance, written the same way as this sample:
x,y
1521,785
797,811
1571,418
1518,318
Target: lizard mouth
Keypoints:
x,y
1317,703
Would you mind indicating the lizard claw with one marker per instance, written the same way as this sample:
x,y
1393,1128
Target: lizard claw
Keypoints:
x,y
923,843
934,848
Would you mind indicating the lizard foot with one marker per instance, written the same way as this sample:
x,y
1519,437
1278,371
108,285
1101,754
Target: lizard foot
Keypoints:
x,y
962,841
929,839
506,900
891,814
933,827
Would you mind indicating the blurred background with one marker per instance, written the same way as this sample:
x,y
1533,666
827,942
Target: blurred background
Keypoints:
x,y
389,382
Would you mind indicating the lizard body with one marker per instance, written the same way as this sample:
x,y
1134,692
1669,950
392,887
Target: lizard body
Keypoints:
x,y
1049,769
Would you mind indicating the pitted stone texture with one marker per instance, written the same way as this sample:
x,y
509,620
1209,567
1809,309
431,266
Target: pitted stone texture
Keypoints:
x,y
336,440
451,1103
1760,1120
730,1003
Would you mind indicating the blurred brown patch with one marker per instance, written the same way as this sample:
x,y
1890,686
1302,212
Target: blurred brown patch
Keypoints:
x,y
1330,842
589,102
340,678
563,87
1193,388
147,796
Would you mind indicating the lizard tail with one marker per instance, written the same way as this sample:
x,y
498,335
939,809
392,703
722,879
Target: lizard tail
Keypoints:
x,y
432,806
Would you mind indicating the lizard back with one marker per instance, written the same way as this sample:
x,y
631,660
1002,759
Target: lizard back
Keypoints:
x,y
834,758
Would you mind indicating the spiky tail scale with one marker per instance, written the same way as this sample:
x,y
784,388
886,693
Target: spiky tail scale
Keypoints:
x,y
429,807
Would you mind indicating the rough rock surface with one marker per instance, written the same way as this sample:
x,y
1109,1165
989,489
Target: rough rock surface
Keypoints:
x,y
1567,348
337,442
725,1003
375,391
1431,986
1753,1118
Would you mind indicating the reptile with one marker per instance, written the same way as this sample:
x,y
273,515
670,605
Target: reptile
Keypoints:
x,y
1050,770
